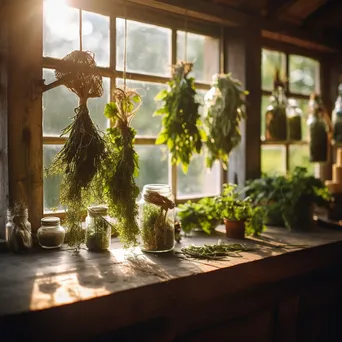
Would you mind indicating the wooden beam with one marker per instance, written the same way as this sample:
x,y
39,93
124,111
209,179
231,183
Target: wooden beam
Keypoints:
x,y
25,105
273,8
323,12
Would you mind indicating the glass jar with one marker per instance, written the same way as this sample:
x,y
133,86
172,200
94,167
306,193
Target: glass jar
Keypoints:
x,y
318,131
337,117
276,119
98,229
294,121
20,240
50,234
157,218
9,225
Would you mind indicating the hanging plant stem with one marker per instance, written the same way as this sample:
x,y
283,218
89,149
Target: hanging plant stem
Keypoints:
x,y
181,122
225,112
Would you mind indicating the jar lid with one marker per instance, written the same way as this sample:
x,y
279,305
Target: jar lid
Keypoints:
x,y
98,210
162,189
50,221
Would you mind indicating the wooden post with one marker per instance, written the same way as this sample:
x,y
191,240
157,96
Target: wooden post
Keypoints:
x,y
25,33
3,119
244,62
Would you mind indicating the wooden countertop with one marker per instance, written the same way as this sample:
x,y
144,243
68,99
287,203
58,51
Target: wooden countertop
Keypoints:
x,y
115,283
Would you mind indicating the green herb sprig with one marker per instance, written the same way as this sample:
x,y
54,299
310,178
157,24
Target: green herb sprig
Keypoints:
x,y
181,122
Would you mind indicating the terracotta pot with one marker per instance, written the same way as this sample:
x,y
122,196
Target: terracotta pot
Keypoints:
x,y
235,229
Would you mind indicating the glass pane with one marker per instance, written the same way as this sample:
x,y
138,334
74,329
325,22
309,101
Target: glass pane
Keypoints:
x,y
264,104
273,159
95,36
200,93
61,29
59,104
204,51
51,184
144,122
153,161
304,75
148,48
303,105
199,181
272,60
299,156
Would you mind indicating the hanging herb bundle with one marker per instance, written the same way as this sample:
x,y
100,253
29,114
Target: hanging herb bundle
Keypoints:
x,y
181,130
225,101
80,158
120,167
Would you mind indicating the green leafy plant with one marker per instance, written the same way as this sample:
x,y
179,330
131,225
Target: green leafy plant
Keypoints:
x,y
181,122
289,199
116,179
225,112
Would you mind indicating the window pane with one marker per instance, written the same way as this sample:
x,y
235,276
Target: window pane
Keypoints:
x,y
95,36
144,122
51,184
273,159
59,104
204,51
148,48
61,29
199,181
303,105
304,75
153,161
272,60
299,156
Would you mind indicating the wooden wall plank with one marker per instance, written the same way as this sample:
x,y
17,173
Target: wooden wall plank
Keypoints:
x,y
25,105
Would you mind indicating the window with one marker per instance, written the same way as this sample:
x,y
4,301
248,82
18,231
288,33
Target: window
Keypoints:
x,y
302,74
151,51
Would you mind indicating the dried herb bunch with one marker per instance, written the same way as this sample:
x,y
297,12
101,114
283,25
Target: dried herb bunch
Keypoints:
x,y
181,130
80,158
225,112
120,167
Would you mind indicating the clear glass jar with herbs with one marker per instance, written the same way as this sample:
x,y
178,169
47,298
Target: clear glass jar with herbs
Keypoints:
x,y
337,117
98,229
294,121
276,119
51,234
157,218
318,130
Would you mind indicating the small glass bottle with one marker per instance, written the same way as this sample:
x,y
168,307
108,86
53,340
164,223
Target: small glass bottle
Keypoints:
x,y
294,121
98,229
337,117
318,130
157,218
9,225
276,119
51,235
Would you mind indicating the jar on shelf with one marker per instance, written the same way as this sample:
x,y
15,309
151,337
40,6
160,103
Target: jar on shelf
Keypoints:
x,y
276,119
98,229
337,117
20,240
51,234
318,130
294,121
157,218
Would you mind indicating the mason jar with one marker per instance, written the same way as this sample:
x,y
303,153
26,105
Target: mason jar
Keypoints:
x,y
157,218
51,234
294,121
337,117
98,229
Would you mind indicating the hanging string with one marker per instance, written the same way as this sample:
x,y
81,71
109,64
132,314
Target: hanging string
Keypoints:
x,y
186,35
222,45
81,29
125,47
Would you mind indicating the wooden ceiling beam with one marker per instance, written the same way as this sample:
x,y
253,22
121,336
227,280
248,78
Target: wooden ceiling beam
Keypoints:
x,y
273,8
324,12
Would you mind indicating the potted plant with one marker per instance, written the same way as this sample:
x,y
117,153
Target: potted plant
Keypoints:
x,y
239,215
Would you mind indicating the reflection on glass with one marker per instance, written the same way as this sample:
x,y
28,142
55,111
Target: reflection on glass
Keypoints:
x,y
273,159
304,75
95,36
60,29
148,48
51,184
153,161
59,104
144,122
199,181
272,60
300,156
204,51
